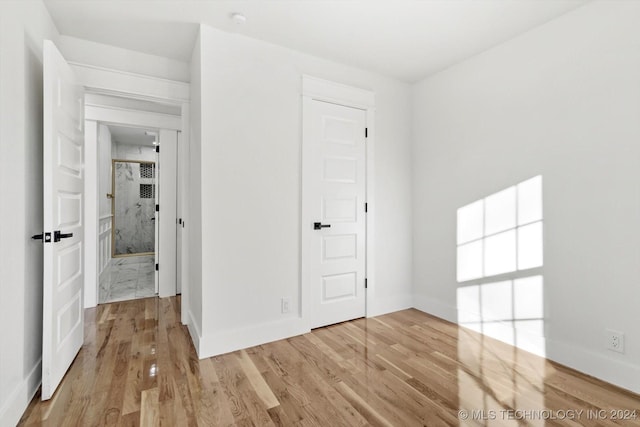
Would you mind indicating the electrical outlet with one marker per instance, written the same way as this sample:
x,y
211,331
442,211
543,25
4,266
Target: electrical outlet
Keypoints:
x,y
286,305
615,340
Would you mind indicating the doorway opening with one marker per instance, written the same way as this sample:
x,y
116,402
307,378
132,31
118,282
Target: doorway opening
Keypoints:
x,y
133,144
133,196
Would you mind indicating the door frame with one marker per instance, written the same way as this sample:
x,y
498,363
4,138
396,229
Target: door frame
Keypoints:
x,y
165,222
105,81
316,89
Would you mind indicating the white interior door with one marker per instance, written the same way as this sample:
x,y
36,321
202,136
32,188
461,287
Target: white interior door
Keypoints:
x,y
156,223
63,168
167,220
335,190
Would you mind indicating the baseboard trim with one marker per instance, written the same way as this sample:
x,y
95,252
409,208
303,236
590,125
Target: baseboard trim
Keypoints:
x,y
18,401
616,372
610,370
436,308
236,339
194,331
389,304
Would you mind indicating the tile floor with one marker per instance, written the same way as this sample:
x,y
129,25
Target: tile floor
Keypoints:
x,y
128,278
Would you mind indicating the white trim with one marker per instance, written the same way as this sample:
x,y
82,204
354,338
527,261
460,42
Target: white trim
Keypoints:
x,y
103,217
231,340
132,85
122,117
91,215
184,201
613,371
317,89
194,331
137,118
608,369
436,308
305,232
371,212
337,93
16,404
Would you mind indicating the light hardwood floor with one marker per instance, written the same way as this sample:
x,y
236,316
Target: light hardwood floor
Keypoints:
x,y
138,367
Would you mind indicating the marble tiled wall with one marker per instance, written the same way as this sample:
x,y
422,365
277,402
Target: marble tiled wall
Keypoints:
x,y
134,227
134,152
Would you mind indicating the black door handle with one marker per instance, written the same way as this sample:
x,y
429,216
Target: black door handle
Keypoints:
x,y
45,237
57,235
319,225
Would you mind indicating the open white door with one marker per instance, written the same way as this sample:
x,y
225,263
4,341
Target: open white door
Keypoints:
x,y
63,168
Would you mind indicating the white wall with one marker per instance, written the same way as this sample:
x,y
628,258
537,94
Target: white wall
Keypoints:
x,y
562,101
23,26
104,170
116,58
250,157
194,221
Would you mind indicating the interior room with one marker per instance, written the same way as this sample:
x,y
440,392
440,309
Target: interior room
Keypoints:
x,y
320,213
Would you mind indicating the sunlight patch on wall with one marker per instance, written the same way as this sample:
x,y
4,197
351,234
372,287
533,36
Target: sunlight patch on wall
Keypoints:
x,y
501,233
498,237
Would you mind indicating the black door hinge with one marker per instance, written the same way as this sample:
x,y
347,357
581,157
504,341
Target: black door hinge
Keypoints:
x,y
366,207
157,267
366,132
365,283
157,148
157,208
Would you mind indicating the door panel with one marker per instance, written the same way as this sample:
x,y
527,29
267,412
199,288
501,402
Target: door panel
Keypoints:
x,y
336,189
340,247
63,168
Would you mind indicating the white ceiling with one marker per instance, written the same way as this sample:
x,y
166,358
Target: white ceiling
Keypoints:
x,y
406,39
131,136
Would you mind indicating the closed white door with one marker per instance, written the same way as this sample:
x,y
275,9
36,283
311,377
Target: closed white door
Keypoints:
x,y
335,190
63,168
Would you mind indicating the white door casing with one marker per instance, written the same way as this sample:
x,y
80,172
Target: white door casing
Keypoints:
x,y
120,117
320,306
142,87
336,190
63,170
179,186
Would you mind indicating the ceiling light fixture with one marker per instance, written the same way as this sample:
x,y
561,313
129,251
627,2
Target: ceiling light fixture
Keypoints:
x,y
238,18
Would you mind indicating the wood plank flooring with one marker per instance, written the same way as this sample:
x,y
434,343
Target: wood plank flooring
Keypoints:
x,y
138,367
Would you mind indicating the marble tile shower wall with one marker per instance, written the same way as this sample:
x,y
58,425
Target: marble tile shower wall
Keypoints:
x,y
134,226
134,152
